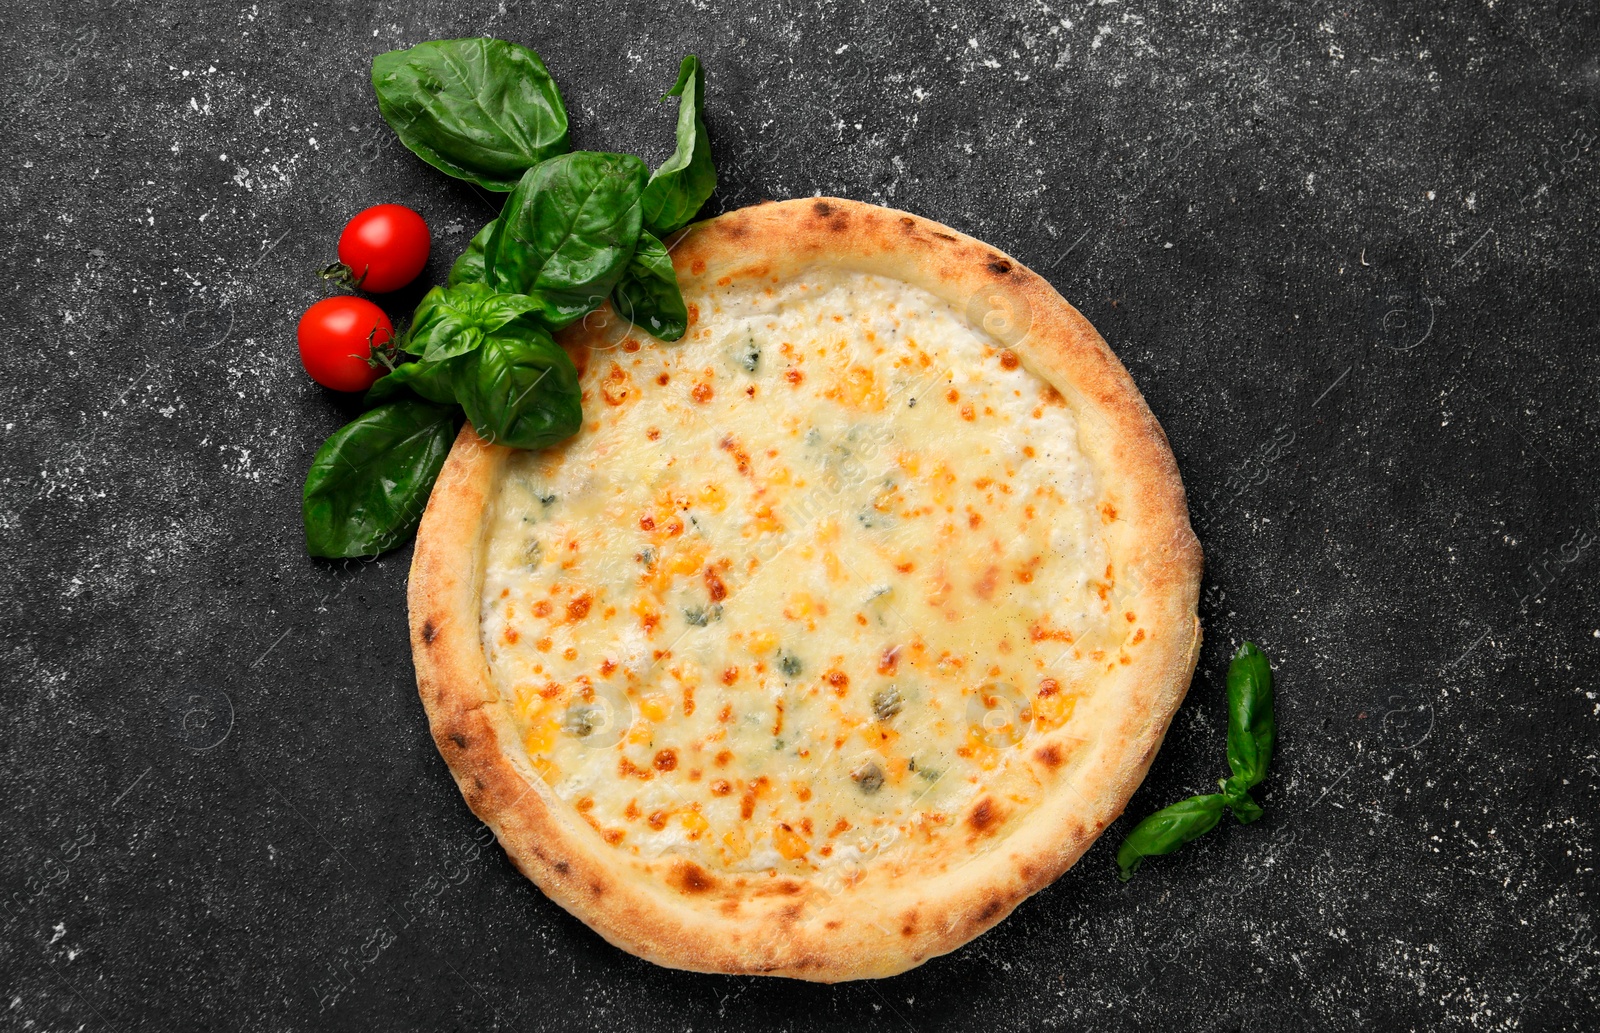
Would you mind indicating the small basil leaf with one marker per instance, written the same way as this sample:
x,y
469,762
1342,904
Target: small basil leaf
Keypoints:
x,y
1168,829
648,295
370,481
567,232
451,321
686,179
520,389
431,380
1240,802
469,267
1252,728
482,110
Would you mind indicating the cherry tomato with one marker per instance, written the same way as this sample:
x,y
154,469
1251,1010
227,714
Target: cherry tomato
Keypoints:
x,y
384,248
336,338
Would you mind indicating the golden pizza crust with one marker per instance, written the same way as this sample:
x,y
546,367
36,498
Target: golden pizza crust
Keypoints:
x,y
673,911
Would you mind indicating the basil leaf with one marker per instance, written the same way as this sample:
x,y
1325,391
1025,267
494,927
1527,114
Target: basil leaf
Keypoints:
x,y
370,480
648,295
519,388
469,267
567,232
1252,728
1168,829
684,181
431,380
1242,804
452,321
482,110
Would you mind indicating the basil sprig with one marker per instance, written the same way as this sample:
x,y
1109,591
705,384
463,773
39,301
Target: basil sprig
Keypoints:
x,y
453,321
482,110
487,352
1252,731
578,228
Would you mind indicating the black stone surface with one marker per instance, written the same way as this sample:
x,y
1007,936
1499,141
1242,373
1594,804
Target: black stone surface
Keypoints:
x,y
1347,251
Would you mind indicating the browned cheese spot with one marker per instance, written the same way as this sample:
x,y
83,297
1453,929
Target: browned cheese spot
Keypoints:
x,y
985,817
691,878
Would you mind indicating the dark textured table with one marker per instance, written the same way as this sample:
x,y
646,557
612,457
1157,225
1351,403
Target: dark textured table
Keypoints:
x,y
1347,252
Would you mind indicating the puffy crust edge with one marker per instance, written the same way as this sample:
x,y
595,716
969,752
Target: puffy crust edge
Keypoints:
x,y
658,914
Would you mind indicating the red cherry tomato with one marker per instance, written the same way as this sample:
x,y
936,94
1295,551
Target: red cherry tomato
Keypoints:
x,y
336,338
384,247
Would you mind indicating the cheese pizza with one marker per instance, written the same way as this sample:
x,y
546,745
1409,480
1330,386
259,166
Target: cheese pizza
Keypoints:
x,y
843,625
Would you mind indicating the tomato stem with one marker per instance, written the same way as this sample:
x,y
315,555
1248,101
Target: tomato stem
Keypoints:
x,y
342,275
381,353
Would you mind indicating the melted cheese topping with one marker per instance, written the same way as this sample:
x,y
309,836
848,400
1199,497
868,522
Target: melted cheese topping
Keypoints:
x,y
802,583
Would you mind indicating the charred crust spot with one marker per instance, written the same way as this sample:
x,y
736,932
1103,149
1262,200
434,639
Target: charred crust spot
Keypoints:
x,y
991,907
836,218
691,878
985,816
430,631
998,265
1050,755
561,867
832,924
943,236
908,223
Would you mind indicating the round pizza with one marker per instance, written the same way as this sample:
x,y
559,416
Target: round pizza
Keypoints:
x,y
844,624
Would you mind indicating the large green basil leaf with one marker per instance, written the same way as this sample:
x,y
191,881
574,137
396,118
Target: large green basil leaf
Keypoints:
x,y
1252,727
370,480
567,232
451,321
482,110
684,181
519,388
434,381
648,295
469,267
1168,829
